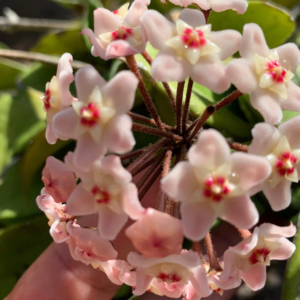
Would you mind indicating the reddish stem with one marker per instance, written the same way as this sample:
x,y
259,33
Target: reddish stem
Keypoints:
x,y
157,161
149,60
238,147
155,131
145,95
213,260
150,182
197,248
228,99
133,153
179,96
141,118
187,103
201,121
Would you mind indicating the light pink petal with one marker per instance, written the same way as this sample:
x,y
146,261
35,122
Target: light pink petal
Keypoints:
x,y
157,27
113,165
199,282
87,151
204,4
250,169
110,223
51,137
210,151
142,282
131,203
290,53
181,183
136,10
265,139
105,21
59,180
64,123
239,5
197,219
241,74
81,202
64,64
111,272
285,251
90,241
253,42
255,277
240,211
280,196
170,67
120,48
65,79
69,160
118,135
293,101
86,79
270,230
148,237
210,72
291,129
98,49
221,38
58,232
116,87
267,105
193,17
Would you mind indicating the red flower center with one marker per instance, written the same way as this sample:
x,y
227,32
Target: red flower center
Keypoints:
x,y
169,277
285,163
215,188
259,255
122,34
275,71
101,195
90,115
193,38
47,98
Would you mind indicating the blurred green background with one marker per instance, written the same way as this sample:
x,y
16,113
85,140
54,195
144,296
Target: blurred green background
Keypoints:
x,y
23,148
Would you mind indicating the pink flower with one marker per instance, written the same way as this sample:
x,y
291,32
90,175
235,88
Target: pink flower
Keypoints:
x,y
107,190
214,183
190,49
156,234
98,121
87,246
118,33
282,148
266,74
59,180
171,274
239,5
56,213
251,256
57,96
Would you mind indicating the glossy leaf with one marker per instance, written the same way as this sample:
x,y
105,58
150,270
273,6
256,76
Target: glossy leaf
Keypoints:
x,y
20,245
286,3
275,22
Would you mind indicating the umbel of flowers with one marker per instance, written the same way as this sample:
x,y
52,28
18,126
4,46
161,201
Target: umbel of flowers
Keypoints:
x,y
90,197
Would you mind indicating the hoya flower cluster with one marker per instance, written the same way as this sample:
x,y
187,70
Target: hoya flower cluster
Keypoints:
x,y
90,198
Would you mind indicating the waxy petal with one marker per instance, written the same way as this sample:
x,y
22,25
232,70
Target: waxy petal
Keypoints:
x,y
253,42
210,151
110,223
105,21
120,48
240,211
197,219
97,49
255,277
192,17
238,5
116,87
293,100
131,203
157,27
51,137
289,53
136,10
250,169
270,230
170,67
285,251
240,73
210,72
279,197
118,135
291,129
181,182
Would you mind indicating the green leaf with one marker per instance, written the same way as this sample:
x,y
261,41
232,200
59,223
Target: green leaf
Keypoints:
x,y
276,23
286,3
20,245
11,69
34,159
124,292
291,284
